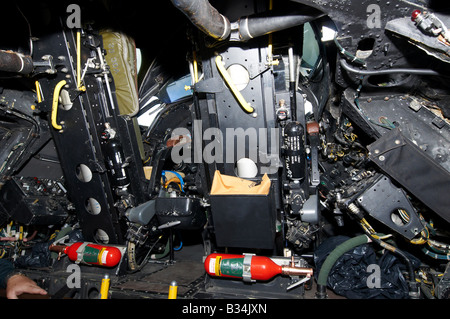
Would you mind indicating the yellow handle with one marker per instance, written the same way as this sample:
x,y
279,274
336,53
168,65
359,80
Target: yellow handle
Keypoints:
x,y
56,92
226,76
104,289
38,91
173,290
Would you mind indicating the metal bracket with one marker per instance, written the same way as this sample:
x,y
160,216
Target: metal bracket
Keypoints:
x,y
80,252
212,85
297,283
247,274
383,200
46,65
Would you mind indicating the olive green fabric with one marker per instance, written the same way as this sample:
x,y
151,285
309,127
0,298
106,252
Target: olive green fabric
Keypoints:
x,y
121,59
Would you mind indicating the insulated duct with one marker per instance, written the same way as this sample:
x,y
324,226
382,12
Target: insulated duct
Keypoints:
x,y
15,62
267,22
205,17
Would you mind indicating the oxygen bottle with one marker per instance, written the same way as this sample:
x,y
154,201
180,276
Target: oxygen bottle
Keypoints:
x,y
249,267
90,253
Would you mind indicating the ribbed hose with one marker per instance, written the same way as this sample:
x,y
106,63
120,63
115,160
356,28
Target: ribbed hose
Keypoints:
x,y
333,257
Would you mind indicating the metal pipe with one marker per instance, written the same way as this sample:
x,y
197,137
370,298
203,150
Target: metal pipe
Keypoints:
x,y
296,271
351,69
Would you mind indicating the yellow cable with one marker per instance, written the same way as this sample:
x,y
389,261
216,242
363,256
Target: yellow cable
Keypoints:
x,y
422,240
369,227
245,106
58,88
419,241
388,246
147,160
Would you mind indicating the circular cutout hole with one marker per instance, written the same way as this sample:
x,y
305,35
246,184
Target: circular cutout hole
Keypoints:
x,y
101,236
400,217
387,80
365,48
84,174
239,75
93,206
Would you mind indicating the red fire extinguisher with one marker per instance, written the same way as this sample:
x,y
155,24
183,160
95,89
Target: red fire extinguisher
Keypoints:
x,y
249,267
90,253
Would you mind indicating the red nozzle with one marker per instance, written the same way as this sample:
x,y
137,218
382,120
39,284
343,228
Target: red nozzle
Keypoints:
x,y
415,14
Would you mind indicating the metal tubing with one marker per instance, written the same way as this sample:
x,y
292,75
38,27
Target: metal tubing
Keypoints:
x,y
356,71
296,271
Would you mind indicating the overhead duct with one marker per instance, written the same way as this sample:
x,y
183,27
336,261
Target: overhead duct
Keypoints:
x,y
205,17
267,22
